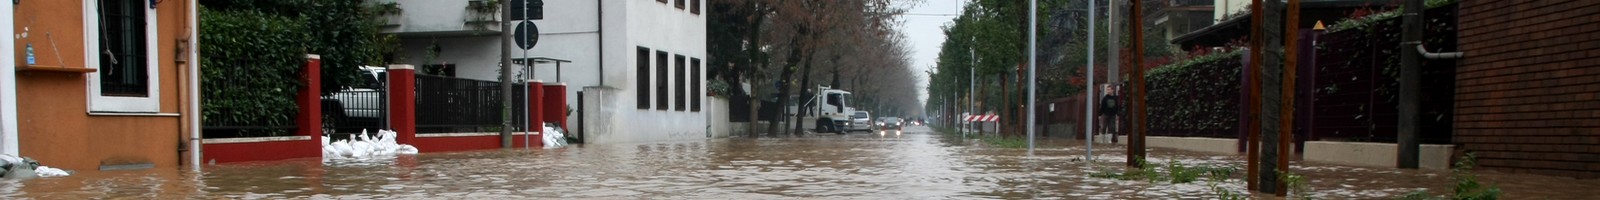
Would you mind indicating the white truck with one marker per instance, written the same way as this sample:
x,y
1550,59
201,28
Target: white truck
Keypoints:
x,y
829,111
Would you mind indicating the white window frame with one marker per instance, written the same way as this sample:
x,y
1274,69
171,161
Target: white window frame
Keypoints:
x,y
121,104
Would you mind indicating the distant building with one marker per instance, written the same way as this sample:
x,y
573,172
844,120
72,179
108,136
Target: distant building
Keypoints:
x,y
638,65
1177,17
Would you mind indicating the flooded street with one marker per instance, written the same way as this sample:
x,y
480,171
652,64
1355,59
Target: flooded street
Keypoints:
x,y
915,164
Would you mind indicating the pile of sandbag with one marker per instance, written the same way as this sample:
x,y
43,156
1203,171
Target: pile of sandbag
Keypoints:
x,y
365,145
23,167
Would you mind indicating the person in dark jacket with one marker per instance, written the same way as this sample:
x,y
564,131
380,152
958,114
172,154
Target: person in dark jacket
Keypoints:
x,y
1110,105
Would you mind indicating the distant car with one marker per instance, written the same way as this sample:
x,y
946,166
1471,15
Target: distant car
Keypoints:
x,y
861,121
886,123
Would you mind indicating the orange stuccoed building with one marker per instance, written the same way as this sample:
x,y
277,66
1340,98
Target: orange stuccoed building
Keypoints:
x,y
99,84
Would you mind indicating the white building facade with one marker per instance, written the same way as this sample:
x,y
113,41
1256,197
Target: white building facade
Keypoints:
x,y
638,65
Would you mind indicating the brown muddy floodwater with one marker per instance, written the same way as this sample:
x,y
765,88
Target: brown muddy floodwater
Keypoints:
x,y
916,164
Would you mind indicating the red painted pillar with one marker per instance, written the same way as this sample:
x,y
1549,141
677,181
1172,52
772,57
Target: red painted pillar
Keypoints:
x,y
555,103
309,98
536,118
402,102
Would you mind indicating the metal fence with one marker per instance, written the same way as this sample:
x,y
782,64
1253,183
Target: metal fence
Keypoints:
x,y
455,105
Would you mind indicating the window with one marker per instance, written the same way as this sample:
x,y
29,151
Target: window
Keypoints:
x,y
681,101
694,6
662,1
677,3
643,74
695,84
661,80
123,52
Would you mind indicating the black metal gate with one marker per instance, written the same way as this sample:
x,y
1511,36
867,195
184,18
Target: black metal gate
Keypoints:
x,y
456,105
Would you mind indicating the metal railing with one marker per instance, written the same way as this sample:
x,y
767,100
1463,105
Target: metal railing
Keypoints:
x,y
455,105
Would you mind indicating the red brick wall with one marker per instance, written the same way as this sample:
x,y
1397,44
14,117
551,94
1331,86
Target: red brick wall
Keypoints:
x,y
1528,93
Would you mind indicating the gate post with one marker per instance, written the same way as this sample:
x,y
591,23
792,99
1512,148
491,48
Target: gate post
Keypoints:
x,y
535,118
402,93
309,99
555,103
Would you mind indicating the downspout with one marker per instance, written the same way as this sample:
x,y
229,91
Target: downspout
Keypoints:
x,y
600,46
1438,56
194,87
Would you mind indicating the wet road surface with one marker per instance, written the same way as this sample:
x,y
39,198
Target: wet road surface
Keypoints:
x,y
914,164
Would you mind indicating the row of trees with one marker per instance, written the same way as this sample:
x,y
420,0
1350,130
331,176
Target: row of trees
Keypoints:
x,y
784,48
986,47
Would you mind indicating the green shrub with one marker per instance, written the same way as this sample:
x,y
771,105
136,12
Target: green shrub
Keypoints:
x,y
250,69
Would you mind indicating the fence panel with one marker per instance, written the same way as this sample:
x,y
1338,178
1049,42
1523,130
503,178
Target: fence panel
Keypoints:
x,y
455,105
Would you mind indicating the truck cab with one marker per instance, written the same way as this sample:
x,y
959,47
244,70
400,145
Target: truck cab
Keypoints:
x,y
829,111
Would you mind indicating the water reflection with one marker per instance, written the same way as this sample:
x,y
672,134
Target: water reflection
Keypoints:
x,y
911,164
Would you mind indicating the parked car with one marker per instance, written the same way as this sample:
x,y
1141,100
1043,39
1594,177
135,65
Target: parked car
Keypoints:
x,y
886,123
861,121
360,102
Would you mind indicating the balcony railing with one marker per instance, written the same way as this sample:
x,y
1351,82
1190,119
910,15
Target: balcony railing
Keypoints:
x,y
435,17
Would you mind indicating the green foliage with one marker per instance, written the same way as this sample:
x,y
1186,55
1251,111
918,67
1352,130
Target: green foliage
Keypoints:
x,y
345,33
1002,141
254,50
1180,173
1297,186
1199,95
718,86
1364,22
1466,185
251,69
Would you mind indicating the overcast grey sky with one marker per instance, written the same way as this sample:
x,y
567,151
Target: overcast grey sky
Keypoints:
x,y
924,35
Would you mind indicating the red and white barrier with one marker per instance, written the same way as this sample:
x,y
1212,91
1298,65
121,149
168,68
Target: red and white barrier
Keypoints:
x,y
983,118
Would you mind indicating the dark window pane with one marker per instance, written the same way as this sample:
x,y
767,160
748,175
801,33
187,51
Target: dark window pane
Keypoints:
x,y
122,49
661,80
695,83
682,98
694,6
678,3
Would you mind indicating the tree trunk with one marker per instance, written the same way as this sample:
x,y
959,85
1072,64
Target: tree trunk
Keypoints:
x,y
805,85
784,86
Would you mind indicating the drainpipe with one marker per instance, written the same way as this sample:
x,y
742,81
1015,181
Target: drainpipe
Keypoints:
x,y
1438,56
194,88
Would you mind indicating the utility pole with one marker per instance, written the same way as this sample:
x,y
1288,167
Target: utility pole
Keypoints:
x,y
1088,95
1410,85
972,85
1033,62
1136,110
505,74
1113,46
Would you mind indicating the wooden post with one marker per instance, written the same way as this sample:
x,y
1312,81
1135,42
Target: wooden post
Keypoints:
x,y
1138,129
1253,140
1286,121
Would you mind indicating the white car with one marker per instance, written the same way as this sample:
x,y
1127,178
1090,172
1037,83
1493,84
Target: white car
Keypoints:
x,y
861,121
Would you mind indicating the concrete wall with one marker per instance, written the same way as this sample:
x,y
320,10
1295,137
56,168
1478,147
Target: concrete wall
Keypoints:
x,y
717,114
1432,156
1200,144
54,122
